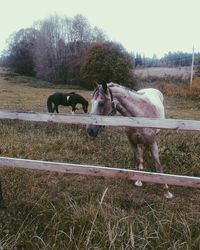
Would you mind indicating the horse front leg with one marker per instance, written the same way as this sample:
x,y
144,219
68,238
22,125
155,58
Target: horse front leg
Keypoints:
x,y
73,109
158,166
138,150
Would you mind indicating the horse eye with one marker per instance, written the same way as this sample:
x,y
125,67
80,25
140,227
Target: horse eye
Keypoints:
x,y
101,104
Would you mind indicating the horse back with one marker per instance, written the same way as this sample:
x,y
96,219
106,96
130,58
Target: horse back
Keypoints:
x,y
61,98
155,99
76,98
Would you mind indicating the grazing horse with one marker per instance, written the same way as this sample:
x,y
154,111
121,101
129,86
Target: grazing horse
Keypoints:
x,y
66,99
112,97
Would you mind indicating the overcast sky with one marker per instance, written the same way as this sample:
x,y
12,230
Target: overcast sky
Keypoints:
x,y
145,26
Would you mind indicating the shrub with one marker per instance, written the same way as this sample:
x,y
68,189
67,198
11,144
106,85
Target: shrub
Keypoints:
x,y
106,62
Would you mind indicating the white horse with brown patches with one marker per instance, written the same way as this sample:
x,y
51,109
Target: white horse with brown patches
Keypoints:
x,y
109,98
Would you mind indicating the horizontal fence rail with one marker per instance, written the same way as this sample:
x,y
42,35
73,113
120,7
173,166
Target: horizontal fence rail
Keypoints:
x,y
119,121
139,122
128,174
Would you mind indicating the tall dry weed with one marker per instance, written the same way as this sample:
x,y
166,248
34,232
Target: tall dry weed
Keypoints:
x,y
180,90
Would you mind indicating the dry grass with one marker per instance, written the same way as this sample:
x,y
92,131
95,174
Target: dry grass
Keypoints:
x,y
164,76
59,211
181,90
26,93
161,72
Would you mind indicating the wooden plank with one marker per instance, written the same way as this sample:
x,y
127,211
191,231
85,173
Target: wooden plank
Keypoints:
x,y
139,122
177,180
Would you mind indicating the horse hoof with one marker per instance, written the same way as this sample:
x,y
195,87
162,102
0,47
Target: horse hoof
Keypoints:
x,y
168,195
138,183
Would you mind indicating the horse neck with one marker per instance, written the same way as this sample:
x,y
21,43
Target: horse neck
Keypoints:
x,y
80,99
130,103
126,102
83,101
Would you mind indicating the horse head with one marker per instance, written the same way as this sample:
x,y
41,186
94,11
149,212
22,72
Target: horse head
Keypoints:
x,y
102,104
85,106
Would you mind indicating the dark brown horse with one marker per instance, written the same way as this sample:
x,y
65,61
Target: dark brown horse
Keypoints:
x,y
66,99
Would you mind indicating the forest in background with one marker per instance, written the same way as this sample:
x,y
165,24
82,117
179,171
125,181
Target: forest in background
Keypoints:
x,y
70,51
61,50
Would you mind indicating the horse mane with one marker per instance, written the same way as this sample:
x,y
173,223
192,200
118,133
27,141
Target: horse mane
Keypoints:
x,y
124,87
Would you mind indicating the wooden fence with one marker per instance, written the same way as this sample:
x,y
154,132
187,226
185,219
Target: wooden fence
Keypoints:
x,y
172,124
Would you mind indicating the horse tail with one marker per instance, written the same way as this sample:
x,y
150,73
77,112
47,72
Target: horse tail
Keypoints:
x,y
161,97
49,104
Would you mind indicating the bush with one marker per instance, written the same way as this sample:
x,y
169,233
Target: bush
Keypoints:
x,y
106,62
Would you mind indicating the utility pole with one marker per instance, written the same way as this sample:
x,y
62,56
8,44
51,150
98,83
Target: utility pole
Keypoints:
x,y
192,67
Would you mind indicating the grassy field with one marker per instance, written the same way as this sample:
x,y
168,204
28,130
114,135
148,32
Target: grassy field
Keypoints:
x,y
183,72
46,210
165,74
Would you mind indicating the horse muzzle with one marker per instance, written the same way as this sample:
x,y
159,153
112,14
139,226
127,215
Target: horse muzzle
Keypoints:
x,y
92,130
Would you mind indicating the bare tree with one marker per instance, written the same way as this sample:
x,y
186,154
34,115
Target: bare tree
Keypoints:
x,y
20,51
59,47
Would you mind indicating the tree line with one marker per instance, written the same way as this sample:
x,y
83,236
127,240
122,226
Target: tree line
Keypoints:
x,y
170,59
68,51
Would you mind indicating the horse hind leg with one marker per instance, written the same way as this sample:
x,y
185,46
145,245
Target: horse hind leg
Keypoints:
x,y
159,168
56,108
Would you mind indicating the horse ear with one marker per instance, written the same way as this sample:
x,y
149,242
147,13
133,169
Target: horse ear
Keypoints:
x,y
94,83
104,86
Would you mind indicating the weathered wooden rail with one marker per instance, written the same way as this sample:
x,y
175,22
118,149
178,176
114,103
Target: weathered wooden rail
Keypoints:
x,y
119,121
102,171
172,124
